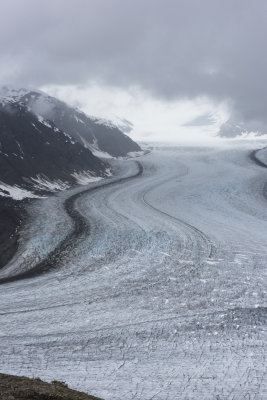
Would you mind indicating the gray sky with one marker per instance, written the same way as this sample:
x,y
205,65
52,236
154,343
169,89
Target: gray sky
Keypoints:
x,y
169,52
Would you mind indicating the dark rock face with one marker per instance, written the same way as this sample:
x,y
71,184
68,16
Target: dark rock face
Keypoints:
x,y
11,216
30,146
90,132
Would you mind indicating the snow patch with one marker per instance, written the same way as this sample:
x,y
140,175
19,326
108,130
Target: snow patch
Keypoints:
x,y
6,100
55,129
114,122
20,148
15,192
43,121
84,177
108,172
103,121
45,183
85,143
16,91
79,120
134,154
139,153
100,154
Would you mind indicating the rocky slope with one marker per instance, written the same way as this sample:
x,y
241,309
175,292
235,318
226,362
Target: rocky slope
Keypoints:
x,y
36,156
95,134
22,388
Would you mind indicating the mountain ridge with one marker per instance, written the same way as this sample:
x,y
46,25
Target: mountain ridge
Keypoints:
x,y
35,155
97,134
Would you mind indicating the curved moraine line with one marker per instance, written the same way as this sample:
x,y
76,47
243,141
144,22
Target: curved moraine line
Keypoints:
x,y
80,230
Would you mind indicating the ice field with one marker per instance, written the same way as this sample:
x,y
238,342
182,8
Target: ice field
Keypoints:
x,y
162,296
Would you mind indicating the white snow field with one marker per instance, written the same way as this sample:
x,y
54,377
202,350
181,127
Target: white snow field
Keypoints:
x,y
164,299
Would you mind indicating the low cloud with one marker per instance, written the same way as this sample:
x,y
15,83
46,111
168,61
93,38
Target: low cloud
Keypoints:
x,y
169,48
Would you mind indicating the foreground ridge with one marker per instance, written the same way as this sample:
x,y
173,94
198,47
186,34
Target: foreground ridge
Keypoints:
x,y
21,388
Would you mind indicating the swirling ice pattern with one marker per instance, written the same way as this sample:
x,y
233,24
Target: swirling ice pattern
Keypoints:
x,y
163,296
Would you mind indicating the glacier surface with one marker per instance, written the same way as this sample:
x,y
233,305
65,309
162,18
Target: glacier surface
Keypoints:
x,y
165,298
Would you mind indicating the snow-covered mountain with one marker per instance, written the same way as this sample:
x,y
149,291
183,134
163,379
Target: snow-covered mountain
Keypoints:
x,y
235,127
123,125
46,145
231,129
37,157
98,135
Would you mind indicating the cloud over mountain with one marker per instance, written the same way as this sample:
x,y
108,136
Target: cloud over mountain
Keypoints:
x,y
173,49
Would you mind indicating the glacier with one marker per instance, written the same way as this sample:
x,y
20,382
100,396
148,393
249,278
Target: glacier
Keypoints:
x,y
165,297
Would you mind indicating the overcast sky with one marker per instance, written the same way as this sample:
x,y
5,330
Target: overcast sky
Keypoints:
x,y
173,67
